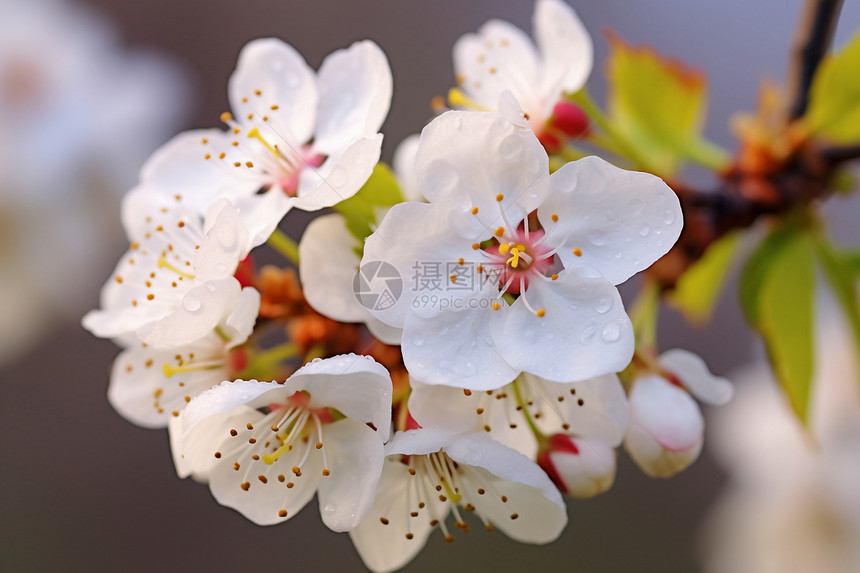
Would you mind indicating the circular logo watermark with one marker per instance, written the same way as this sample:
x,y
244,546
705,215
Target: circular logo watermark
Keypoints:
x,y
377,285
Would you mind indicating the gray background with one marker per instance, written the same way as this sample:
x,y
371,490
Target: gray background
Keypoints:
x,y
83,490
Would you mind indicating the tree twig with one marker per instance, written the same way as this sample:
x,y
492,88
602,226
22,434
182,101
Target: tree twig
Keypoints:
x,y
811,42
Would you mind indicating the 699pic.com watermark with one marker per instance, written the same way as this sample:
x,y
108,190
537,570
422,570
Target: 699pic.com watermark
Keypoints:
x,y
378,285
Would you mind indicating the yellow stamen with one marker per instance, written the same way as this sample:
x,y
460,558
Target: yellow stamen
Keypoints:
x,y
515,259
577,251
457,98
269,459
171,370
162,263
254,133
503,248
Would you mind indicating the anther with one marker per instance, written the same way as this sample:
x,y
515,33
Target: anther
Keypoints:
x,y
577,251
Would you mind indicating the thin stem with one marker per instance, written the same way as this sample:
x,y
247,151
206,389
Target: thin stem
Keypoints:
x,y
626,148
813,37
282,243
525,410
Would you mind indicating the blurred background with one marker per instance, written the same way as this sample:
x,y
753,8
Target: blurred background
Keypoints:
x,y
89,88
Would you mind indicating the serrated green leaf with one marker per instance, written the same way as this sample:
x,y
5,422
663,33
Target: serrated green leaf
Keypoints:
x,y
834,97
843,282
700,286
777,289
658,104
380,192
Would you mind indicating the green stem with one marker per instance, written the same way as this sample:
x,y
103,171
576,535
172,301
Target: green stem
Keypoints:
x,y
524,409
625,147
282,243
644,315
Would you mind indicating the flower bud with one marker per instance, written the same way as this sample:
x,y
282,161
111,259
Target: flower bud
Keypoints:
x,y
579,467
569,119
666,427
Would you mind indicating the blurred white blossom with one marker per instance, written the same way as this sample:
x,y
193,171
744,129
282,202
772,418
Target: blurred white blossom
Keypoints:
x,y
79,115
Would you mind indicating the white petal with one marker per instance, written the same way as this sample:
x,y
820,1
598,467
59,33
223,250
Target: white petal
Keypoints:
x,y
385,333
621,221
404,167
565,46
355,455
418,442
466,159
240,324
225,244
588,473
541,514
585,332
261,213
202,308
265,496
283,79
357,386
500,56
692,371
142,393
444,407
328,266
384,547
193,454
432,238
456,349
180,167
511,109
355,93
602,415
340,177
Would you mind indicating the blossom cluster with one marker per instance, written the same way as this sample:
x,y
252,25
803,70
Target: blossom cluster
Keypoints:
x,y
451,342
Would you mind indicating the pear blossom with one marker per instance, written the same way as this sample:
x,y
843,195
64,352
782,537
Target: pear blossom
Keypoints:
x,y
310,140
545,252
666,425
267,447
150,385
176,280
499,68
578,467
430,473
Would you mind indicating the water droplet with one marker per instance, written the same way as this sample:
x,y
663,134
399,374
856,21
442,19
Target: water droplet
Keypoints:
x,y
337,177
292,80
611,333
603,306
362,160
644,231
443,331
587,335
221,268
457,122
597,239
191,303
330,508
669,217
636,206
226,235
550,335
418,341
210,287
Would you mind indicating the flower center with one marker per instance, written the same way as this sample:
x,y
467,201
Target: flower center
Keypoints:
x,y
437,476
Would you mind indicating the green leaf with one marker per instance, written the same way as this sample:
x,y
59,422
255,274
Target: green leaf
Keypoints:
x,y
834,98
777,289
380,192
700,286
658,104
843,281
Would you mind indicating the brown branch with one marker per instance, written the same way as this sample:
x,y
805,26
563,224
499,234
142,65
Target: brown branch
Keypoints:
x,y
811,42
